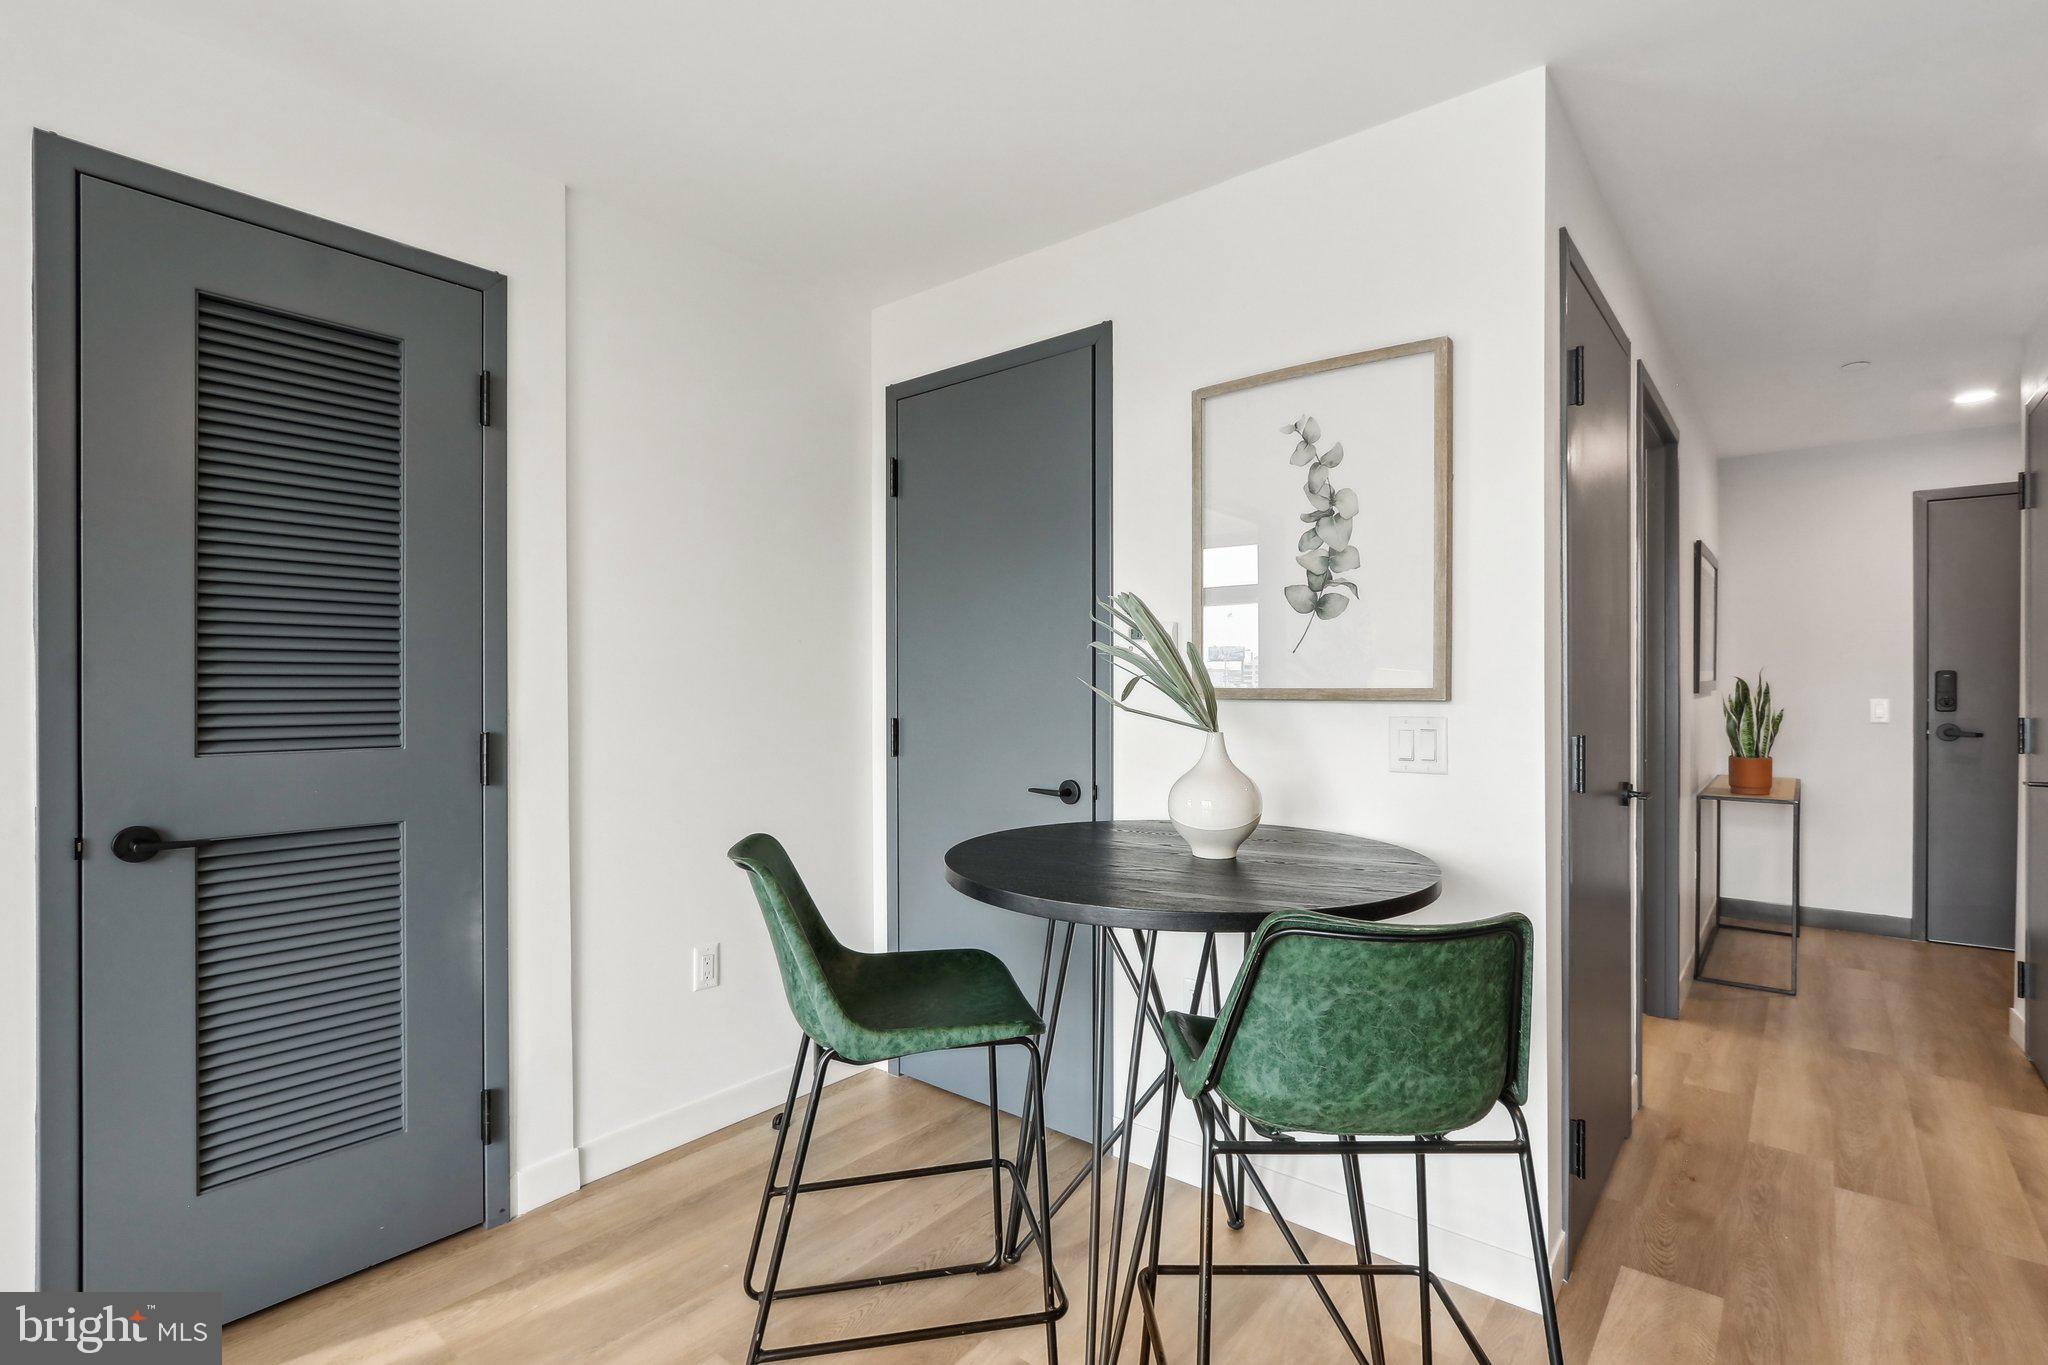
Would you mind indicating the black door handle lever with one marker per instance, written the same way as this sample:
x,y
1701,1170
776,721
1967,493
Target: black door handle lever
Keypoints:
x,y
140,843
1952,731
1068,791
1631,792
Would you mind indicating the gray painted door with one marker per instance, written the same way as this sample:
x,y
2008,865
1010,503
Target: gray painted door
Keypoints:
x,y
281,648
2034,629
994,575
1599,825
1972,767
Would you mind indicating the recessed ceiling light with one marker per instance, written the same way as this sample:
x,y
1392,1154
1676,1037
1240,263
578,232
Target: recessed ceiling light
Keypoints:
x,y
1856,365
1970,398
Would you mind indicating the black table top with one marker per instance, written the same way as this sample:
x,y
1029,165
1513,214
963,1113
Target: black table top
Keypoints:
x,y
1137,874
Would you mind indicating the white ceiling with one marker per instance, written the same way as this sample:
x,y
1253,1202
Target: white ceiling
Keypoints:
x,y
1805,182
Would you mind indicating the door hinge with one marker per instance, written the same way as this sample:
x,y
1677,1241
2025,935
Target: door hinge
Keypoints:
x,y
483,398
895,476
895,737
1577,378
2023,982
483,758
2026,734
1578,762
2030,490
490,1114
1579,1148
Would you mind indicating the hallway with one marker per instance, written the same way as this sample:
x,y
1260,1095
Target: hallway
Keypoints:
x,y
1857,1174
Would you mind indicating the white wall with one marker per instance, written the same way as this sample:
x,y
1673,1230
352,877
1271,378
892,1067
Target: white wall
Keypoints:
x,y
1429,225
1574,203
1817,592
719,586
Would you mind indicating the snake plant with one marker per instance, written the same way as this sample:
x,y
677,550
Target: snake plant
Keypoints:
x,y
1752,724
1140,646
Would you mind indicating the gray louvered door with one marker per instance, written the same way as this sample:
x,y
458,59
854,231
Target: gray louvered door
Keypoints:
x,y
282,653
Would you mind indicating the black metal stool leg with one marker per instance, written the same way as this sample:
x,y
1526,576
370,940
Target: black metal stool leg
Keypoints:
x,y
1422,1252
1361,1241
796,1180
1538,1242
1045,1264
1204,1311
781,1124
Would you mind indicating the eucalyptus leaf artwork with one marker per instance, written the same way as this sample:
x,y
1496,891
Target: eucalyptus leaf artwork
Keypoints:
x,y
1325,551
1322,564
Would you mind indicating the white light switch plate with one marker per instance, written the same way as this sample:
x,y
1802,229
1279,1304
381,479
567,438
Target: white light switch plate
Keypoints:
x,y
1418,744
1880,710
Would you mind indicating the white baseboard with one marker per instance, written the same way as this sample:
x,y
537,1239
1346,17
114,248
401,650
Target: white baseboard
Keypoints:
x,y
2016,1027
545,1181
650,1137
1499,1272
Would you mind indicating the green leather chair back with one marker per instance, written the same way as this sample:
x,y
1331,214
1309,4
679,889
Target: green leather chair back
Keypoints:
x,y
805,949
1341,1027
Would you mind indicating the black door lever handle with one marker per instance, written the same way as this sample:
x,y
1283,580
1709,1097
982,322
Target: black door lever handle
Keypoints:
x,y
1631,792
1068,791
140,843
1952,731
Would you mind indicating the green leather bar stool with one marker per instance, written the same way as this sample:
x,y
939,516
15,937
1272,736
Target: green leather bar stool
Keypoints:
x,y
861,1008
1381,1038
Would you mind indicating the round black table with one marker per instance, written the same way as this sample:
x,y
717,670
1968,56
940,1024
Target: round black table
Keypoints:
x,y
1138,878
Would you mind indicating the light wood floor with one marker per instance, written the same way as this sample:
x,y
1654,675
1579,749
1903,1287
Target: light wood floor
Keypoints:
x,y
1857,1174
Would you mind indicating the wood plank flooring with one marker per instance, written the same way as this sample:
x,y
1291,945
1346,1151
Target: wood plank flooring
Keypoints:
x,y
1856,1174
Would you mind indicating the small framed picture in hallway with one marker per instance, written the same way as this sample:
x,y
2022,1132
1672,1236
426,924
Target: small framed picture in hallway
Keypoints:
x,y
1322,528
1706,619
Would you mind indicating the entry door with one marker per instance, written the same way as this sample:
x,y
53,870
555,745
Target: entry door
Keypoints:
x,y
996,565
281,653
1971,630
1600,1023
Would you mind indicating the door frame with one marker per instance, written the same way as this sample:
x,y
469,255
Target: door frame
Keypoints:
x,y
1570,262
59,164
1096,339
1659,705
1921,499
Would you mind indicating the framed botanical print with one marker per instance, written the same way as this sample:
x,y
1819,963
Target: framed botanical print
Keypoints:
x,y
1706,619
1323,528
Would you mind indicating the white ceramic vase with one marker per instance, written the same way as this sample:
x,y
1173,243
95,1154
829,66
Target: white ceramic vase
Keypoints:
x,y
1214,806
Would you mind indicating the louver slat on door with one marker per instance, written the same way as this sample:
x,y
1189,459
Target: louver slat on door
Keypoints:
x,y
300,526
301,1009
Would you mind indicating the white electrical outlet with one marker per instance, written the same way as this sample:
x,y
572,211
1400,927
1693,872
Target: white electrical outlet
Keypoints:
x,y
1880,710
704,967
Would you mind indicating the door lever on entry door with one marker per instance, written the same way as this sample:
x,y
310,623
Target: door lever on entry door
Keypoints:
x,y
140,843
1953,731
1631,792
1068,791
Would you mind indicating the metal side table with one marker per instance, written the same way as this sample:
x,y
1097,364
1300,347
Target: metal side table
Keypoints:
x,y
1784,792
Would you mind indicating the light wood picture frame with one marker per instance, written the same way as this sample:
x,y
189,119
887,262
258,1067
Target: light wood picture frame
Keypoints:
x,y
1338,523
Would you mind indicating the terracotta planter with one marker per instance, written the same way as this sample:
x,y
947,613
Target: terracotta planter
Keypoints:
x,y
1749,776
